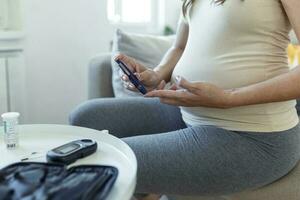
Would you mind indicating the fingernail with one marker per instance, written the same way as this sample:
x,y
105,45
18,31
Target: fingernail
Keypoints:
x,y
131,86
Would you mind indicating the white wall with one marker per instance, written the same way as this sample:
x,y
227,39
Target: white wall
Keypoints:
x,y
172,11
3,86
61,37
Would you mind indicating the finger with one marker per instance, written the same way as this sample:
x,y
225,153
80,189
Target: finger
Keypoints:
x,y
128,61
173,102
173,87
118,56
162,85
165,94
124,78
145,75
191,87
129,86
122,57
138,69
138,76
176,102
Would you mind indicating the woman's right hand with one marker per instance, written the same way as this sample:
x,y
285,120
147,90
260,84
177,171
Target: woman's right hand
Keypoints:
x,y
150,78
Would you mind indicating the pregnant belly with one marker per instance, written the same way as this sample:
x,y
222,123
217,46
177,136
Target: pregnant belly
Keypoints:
x,y
225,73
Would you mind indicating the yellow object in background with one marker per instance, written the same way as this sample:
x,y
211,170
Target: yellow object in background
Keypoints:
x,y
294,55
298,56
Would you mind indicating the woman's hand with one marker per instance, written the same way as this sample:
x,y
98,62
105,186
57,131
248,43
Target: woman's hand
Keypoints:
x,y
197,94
150,78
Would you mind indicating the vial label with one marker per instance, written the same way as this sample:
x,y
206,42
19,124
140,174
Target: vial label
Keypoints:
x,y
11,146
11,134
5,126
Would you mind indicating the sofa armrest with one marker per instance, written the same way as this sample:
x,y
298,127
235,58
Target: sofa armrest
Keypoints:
x,y
100,77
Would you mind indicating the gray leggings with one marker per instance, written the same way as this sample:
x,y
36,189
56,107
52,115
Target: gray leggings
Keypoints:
x,y
198,160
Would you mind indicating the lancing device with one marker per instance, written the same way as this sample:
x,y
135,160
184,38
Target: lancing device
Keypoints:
x,y
133,79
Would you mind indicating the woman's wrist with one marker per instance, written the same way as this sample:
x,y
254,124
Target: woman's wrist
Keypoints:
x,y
241,97
231,98
162,74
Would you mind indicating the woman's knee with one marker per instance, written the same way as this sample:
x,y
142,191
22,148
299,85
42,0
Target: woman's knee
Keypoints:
x,y
115,115
88,114
78,115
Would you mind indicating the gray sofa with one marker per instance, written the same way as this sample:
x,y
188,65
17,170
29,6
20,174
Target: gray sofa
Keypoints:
x,y
287,188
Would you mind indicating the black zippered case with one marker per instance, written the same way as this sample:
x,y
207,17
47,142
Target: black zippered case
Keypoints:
x,y
46,181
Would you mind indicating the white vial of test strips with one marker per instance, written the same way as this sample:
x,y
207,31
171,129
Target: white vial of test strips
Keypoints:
x,y
10,124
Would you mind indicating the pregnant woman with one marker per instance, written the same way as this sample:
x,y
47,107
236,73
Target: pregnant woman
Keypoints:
x,y
229,121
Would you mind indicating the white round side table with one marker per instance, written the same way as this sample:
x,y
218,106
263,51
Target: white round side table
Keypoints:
x,y
111,151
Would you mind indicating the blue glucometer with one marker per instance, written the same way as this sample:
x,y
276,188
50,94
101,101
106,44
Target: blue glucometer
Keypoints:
x,y
133,79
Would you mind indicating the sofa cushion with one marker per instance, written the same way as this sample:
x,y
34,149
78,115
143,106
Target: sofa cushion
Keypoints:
x,y
147,49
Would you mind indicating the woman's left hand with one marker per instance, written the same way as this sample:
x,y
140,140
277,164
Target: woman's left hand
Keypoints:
x,y
198,94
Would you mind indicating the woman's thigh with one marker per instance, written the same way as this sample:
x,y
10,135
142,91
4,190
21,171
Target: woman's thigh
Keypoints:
x,y
127,116
205,160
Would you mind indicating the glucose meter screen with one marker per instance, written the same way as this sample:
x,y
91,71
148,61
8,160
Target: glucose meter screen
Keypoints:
x,y
67,148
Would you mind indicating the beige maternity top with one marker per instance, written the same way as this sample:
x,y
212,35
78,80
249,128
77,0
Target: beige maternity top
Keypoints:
x,y
234,45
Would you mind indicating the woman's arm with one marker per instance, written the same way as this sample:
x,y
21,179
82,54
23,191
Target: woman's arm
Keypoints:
x,y
157,78
168,63
281,88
